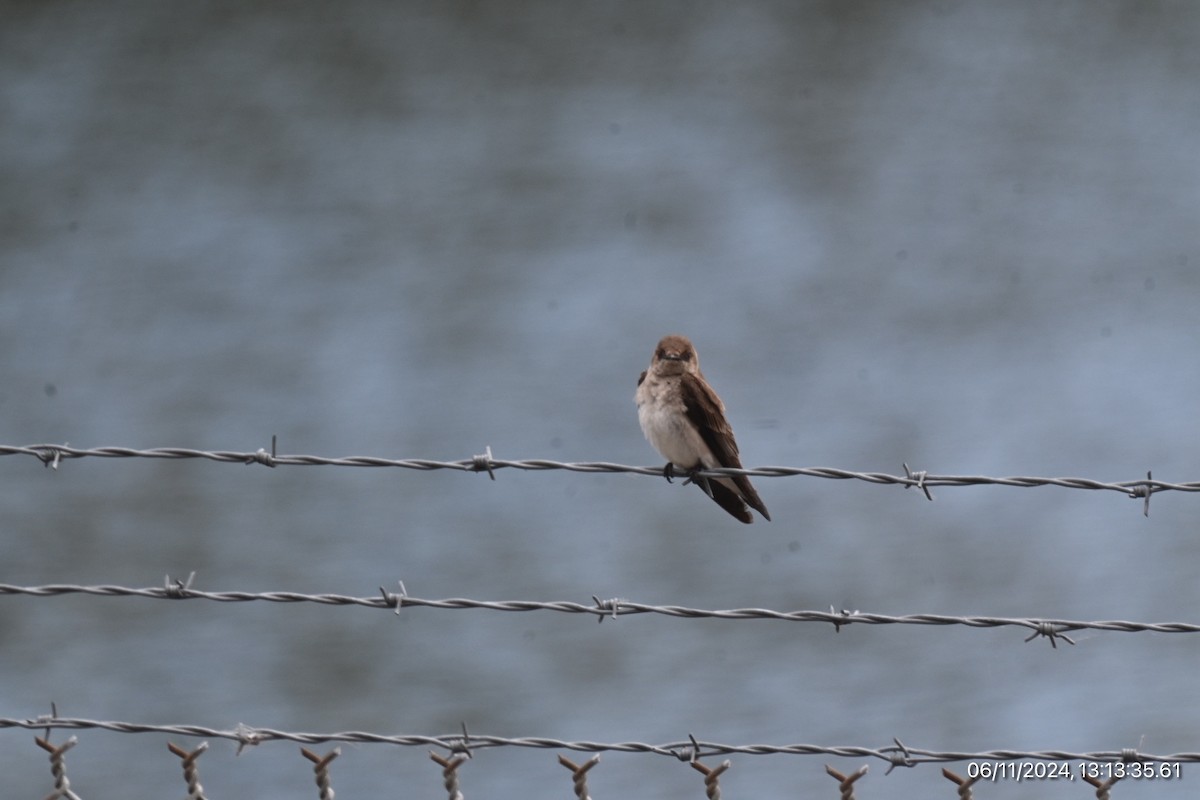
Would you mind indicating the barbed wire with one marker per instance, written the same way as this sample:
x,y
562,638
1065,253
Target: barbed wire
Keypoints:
x,y
465,743
460,746
52,455
1049,628
1033,766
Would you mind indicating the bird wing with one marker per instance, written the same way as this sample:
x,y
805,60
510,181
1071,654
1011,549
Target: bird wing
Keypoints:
x,y
706,412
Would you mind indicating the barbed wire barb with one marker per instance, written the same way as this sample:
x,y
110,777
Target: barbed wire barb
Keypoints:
x,y
464,745
395,601
1131,755
58,767
177,589
50,456
841,618
261,456
899,757
245,737
607,607
918,480
846,782
579,774
483,462
1144,491
1051,632
964,784
191,773
450,774
321,770
48,719
712,785
1103,788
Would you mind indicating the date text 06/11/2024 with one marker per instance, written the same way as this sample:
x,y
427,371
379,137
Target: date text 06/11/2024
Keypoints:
x,y
1072,770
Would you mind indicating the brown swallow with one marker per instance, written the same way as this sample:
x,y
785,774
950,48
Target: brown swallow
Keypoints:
x,y
685,421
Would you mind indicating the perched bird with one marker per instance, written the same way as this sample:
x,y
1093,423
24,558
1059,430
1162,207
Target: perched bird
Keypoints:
x,y
685,421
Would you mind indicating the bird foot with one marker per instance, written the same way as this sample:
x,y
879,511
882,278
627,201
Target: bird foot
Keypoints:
x,y
699,480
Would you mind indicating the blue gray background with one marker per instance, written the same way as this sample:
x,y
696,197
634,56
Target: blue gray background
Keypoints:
x,y
961,235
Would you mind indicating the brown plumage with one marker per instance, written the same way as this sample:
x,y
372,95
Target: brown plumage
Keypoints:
x,y
684,419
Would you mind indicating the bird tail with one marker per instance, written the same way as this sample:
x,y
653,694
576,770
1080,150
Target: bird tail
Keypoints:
x,y
727,499
751,496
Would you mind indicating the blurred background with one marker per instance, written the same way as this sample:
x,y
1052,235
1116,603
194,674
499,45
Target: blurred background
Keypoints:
x,y
958,235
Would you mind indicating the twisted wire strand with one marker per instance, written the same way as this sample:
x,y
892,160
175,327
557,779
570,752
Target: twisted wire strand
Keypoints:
x,y
53,454
600,609
691,749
